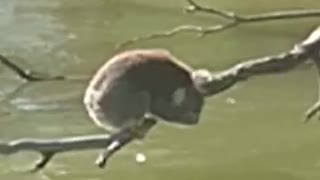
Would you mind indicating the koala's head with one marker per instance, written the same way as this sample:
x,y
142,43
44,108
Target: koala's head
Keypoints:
x,y
201,78
185,103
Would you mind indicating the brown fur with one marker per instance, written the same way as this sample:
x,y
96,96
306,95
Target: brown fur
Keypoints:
x,y
136,81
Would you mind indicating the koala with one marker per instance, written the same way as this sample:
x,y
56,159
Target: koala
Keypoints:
x,y
137,88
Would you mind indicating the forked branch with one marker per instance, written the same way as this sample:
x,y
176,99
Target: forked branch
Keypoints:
x,y
233,20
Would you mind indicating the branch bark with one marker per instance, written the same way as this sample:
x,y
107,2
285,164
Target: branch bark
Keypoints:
x,y
233,20
54,145
47,148
265,65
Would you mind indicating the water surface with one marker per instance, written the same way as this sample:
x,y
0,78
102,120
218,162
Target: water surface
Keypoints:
x,y
260,136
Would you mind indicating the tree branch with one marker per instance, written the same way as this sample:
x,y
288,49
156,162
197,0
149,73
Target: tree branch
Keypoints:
x,y
177,30
27,75
47,148
283,62
219,82
233,20
275,15
31,76
265,65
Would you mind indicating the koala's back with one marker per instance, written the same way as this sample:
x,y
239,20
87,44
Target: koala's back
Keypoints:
x,y
118,94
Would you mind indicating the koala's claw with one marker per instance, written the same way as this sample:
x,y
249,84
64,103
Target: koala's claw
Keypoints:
x,y
312,111
101,161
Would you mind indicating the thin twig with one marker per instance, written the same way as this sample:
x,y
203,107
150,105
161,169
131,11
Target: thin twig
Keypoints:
x,y
233,19
26,74
194,7
275,15
281,15
32,76
184,28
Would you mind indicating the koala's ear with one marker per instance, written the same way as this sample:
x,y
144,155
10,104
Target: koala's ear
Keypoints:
x,y
179,96
201,78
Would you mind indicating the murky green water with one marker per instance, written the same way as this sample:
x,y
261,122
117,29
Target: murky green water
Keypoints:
x,y
259,137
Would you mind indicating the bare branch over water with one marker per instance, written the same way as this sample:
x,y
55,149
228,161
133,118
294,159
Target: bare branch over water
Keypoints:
x,y
233,20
